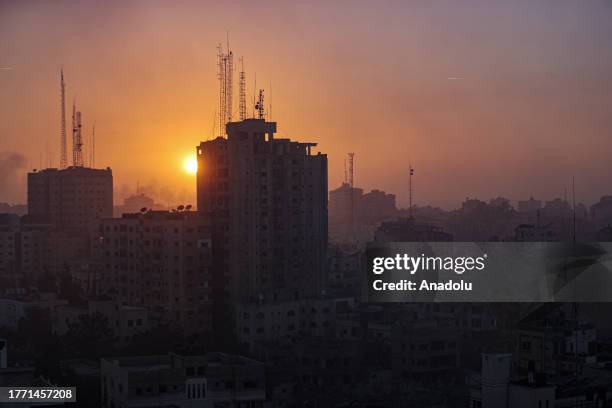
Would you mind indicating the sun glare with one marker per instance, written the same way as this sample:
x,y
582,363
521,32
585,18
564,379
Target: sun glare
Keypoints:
x,y
190,165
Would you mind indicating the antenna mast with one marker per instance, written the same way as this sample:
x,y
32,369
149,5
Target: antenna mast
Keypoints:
x,y
573,208
93,146
77,141
259,106
225,70
351,158
410,191
63,148
242,91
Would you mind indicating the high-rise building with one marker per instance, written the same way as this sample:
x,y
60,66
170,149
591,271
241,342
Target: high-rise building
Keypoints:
x,y
266,198
71,197
160,260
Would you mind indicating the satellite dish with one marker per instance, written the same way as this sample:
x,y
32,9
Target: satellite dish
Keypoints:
x,y
143,210
180,207
188,207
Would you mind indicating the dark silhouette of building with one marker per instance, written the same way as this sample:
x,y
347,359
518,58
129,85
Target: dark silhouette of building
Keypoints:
x,y
71,197
353,215
267,201
160,260
408,230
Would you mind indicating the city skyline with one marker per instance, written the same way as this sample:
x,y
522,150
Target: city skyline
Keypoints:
x,y
471,93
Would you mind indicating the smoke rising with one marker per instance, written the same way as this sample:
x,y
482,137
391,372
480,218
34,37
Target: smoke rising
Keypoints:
x,y
12,176
10,164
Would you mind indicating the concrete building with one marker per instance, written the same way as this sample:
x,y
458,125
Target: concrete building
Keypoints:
x,y
267,200
207,381
124,321
601,213
408,230
355,215
261,322
135,203
425,351
160,260
536,233
71,197
14,308
30,249
343,272
531,206
494,389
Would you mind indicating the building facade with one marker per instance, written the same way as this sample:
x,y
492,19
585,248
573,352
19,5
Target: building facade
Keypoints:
x,y
160,260
207,381
267,201
71,197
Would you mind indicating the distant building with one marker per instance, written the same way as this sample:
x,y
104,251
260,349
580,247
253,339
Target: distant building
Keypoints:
x,y
425,351
478,220
30,249
266,198
493,388
257,323
14,308
354,216
530,206
135,203
124,321
207,381
550,341
343,272
160,260
601,213
408,230
71,197
17,209
536,233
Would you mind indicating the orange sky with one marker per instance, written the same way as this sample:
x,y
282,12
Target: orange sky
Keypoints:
x,y
486,98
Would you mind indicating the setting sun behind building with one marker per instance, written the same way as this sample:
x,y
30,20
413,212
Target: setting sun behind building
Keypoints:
x,y
190,165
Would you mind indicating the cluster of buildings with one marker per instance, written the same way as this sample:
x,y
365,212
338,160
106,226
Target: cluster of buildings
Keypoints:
x,y
258,264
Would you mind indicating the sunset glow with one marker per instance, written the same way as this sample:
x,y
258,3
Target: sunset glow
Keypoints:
x,y
190,165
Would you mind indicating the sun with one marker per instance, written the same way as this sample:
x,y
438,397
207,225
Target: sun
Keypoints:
x,y
190,165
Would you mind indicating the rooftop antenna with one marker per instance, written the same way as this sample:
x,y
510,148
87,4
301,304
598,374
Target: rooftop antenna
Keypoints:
x,y
63,148
254,93
351,159
345,172
573,209
242,91
225,70
77,141
214,125
93,146
410,190
259,106
270,104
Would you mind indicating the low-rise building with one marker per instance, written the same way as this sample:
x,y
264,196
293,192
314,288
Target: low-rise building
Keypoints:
x,y
207,381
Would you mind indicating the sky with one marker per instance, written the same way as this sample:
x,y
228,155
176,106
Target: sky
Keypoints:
x,y
483,98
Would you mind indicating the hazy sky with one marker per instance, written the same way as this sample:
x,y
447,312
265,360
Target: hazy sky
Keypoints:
x,y
486,98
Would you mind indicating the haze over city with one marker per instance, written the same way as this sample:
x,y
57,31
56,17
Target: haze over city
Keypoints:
x,y
484,98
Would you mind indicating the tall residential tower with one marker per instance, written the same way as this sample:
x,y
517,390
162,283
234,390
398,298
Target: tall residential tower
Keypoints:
x,y
267,201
